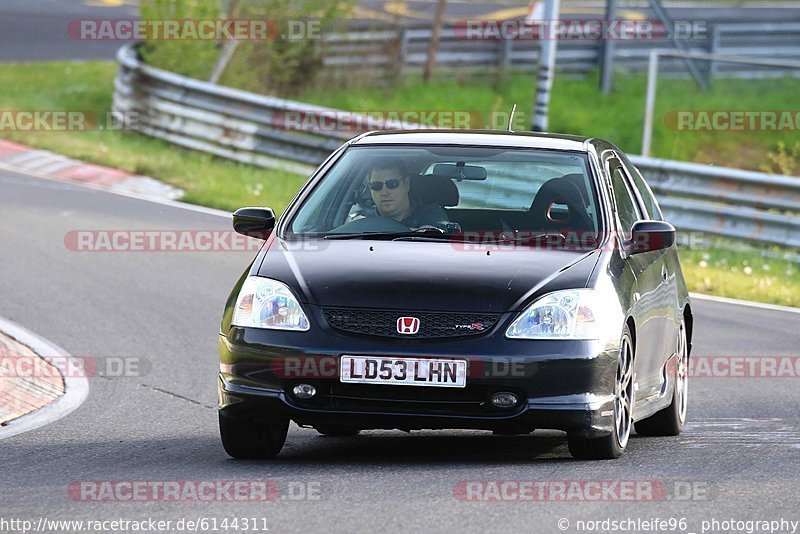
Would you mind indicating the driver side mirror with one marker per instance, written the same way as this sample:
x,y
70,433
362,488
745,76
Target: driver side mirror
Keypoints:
x,y
648,236
254,222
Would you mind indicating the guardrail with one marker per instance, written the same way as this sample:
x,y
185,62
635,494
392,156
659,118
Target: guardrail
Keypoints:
x,y
251,128
392,51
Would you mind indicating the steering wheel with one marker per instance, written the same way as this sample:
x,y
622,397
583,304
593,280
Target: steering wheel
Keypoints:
x,y
429,227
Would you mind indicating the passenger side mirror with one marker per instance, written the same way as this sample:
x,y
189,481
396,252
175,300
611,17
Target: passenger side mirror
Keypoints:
x,y
647,236
254,222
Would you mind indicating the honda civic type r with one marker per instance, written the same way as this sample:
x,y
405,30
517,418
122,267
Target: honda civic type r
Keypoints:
x,y
494,280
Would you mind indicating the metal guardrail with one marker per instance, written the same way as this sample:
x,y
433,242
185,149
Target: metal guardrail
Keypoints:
x,y
251,128
379,52
733,203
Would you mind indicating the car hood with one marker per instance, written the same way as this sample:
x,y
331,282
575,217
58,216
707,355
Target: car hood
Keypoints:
x,y
421,276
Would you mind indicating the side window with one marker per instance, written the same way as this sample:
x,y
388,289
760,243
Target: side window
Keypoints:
x,y
626,206
645,193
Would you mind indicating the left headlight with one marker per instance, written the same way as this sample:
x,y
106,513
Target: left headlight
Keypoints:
x,y
266,303
569,314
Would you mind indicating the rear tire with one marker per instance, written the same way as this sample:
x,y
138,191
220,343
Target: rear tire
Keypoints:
x,y
250,437
613,445
670,420
337,431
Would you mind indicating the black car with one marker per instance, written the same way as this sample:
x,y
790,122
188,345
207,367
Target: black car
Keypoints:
x,y
495,280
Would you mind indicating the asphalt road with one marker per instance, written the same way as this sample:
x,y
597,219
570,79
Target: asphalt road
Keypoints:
x,y
36,30
740,452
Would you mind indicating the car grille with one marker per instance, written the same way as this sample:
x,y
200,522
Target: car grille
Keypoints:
x,y
431,324
470,400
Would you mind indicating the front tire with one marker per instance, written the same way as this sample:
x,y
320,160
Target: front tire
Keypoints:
x,y
252,438
670,420
613,445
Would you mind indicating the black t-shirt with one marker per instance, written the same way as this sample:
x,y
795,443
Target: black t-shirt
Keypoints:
x,y
428,214
421,215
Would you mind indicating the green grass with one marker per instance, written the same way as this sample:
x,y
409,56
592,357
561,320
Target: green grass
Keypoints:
x,y
88,87
214,182
742,275
577,107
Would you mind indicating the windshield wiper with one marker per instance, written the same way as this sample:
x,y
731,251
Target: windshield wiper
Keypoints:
x,y
362,235
427,234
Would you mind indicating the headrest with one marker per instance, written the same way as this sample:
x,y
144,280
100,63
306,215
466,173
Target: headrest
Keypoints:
x,y
580,182
560,190
434,189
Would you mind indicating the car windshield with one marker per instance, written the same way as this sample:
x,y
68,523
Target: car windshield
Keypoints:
x,y
450,193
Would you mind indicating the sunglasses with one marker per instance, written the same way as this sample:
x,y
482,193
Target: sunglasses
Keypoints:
x,y
390,184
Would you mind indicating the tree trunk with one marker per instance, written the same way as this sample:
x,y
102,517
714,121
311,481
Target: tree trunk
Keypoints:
x,y
433,48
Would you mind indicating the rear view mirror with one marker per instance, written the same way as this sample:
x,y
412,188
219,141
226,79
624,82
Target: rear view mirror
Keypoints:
x,y
647,236
459,171
254,222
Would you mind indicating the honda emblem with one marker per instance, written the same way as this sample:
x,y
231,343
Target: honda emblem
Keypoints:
x,y
407,325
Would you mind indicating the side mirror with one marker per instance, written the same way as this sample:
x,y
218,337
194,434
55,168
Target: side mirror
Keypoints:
x,y
647,236
254,222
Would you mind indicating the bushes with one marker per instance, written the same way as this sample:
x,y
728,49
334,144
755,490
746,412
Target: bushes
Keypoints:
x,y
278,66
783,160
191,58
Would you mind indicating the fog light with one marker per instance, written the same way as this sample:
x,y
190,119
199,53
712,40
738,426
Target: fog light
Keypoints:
x,y
504,399
304,391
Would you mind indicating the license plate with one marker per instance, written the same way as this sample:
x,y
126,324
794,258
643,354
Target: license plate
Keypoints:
x,y
403,371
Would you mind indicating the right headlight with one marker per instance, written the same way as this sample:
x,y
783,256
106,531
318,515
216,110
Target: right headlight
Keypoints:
x,y
267,303
567,314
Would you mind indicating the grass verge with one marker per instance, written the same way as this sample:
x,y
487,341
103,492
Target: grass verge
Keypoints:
x,y
88,87
742,274
578,107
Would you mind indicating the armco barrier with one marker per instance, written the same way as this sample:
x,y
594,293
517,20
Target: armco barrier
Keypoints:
x,y
379,52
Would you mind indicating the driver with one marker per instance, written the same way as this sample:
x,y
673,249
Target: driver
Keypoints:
x,y
389,184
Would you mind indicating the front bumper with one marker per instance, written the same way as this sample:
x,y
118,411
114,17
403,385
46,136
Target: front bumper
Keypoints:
x,y
562,385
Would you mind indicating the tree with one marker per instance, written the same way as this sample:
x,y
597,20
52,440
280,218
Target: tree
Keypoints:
x,y
433,48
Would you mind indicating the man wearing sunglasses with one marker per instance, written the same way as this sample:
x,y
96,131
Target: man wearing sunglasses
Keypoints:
x,y
390,186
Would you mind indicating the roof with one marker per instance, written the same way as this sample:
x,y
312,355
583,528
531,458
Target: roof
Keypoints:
x,y
522,139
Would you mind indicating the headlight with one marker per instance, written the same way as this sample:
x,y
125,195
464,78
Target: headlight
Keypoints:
x,y
265,303
570,314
